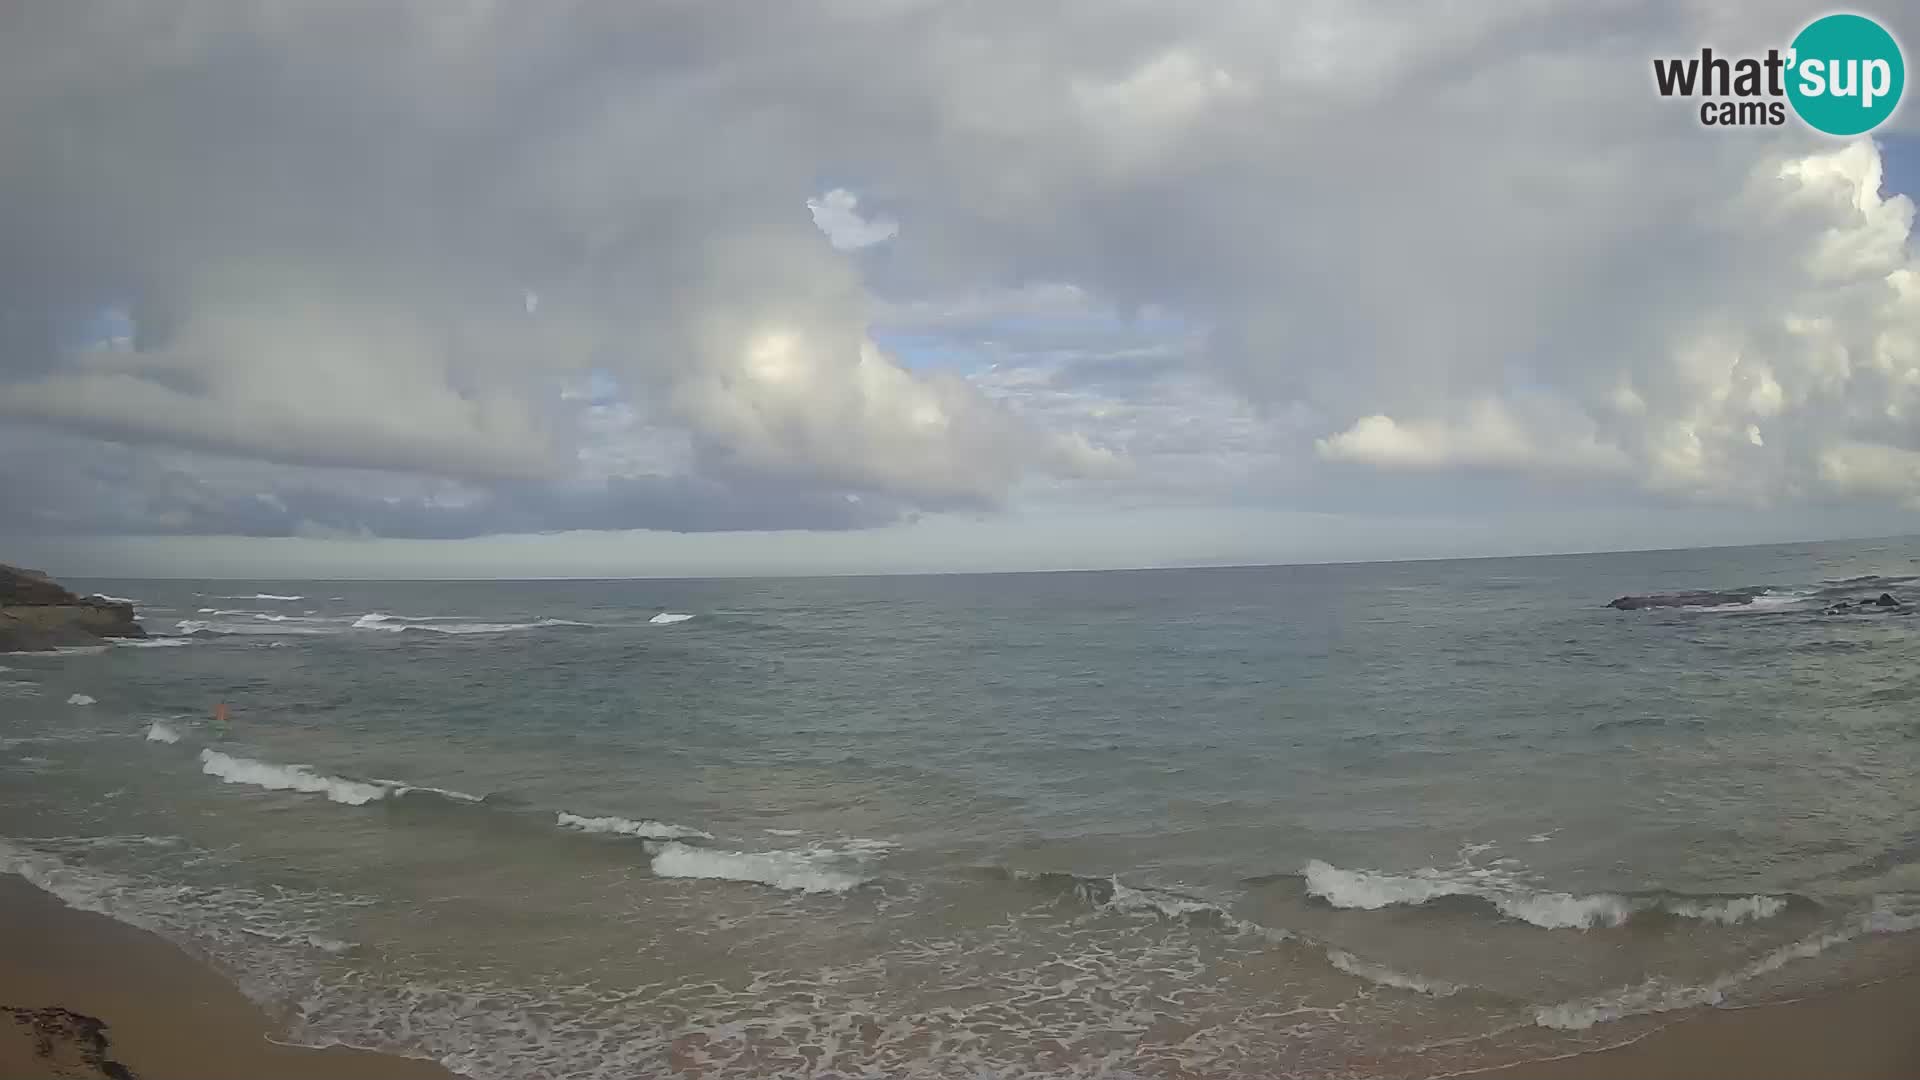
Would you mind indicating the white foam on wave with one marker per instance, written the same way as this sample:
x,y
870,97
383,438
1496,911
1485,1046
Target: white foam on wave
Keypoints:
x,y
151,643
1764,602
263,596
281,629
161,733
115,599
441,624
80,699
667,617
795,871
1381,975
619,826
265,774
1370,890
1728,912
401,787
1164,904
1176,906
1659,995
1565,911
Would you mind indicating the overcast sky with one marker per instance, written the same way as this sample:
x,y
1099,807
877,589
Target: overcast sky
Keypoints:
x,y
559,288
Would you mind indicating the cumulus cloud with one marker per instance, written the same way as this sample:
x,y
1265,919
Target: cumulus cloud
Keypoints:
x,y
837,214
1487,435
838,264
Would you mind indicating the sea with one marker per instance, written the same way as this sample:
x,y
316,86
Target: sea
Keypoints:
x,y
1386,820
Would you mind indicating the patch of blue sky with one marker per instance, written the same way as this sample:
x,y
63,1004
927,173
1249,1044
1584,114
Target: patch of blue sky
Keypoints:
x,y
109,326
1900,165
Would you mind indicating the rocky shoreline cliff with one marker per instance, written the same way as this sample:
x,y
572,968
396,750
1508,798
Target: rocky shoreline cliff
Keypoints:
x,y
38,615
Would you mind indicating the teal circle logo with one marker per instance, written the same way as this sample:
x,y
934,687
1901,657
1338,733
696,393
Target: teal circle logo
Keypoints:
x,y
1846,74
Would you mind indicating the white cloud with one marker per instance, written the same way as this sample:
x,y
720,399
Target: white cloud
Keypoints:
x,y
837,213
1395,239
1486,435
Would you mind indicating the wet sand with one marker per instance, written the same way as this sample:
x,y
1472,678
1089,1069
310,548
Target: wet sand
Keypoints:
x,y
83,996
1865,1033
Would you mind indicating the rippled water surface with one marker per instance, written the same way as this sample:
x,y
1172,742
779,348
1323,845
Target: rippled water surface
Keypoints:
x,y
1384,820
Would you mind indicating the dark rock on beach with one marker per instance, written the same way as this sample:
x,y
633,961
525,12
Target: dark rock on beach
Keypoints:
x,y
67,1043
37,614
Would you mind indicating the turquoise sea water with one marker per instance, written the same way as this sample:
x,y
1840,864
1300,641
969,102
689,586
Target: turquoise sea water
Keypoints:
x,y
1367,820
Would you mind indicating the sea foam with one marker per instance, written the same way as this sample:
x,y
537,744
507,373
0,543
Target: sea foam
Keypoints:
x,y
666,617
80,699
442,624
1381,975
619,826
265,774
796,871
161,733
1370,890
1659,995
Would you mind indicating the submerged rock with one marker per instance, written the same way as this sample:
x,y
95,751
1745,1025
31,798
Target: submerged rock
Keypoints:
x,y
37,614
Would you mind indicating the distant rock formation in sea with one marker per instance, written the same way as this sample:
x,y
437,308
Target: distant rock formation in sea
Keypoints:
x,y
38,615
1698,598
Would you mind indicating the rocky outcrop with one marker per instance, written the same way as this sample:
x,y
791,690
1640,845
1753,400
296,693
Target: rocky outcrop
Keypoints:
x,y
1701,598
37,614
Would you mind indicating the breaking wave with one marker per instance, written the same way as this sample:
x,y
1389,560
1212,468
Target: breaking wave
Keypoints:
x,y
1370,890
1110,894
161,733
1381,975
619,826
151,643
438,624
274,777
81,699
1659,995
796,871
263,596
666,617
208,626
269,624
265,774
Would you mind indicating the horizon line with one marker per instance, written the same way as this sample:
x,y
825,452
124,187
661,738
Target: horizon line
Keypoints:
x,y
1057,570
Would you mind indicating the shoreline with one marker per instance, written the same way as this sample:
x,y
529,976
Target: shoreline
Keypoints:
x,y
1859,1033
91,997
83,995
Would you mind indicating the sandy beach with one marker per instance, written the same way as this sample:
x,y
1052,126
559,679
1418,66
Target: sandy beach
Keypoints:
x,y
91,997
1865,1033
87,996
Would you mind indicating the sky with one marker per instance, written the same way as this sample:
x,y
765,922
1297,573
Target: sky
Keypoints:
x,y
472,288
